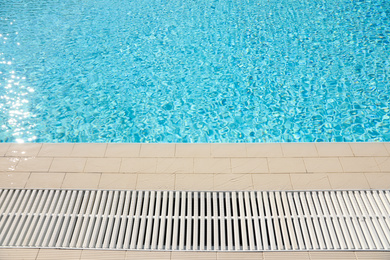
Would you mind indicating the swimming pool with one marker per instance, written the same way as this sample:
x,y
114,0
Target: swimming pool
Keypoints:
x,y
194,71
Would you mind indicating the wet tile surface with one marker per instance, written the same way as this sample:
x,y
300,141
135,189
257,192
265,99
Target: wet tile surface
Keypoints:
x,y
45,180
197,166
34,164
23,149
13,179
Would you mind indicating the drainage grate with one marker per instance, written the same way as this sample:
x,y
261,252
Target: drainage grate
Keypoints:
x,y
181,220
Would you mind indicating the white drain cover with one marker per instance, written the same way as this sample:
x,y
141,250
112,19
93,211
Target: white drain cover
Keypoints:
x,y
187,220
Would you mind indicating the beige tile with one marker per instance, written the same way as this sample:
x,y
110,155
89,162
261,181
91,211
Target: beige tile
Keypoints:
x,y
322,165
194,182
102,165
299,150
157,150
175,255
286,255
57,254
175,165
45,180
378,180
81,181
23,149
239,255
102,254
264,150
139,165
359,164
249,165
13,179
123,150
68,164
88,150
369,149
333,149
8,163
193,150
161,181
310,181
34,164
348,181
4,148
387,145
227,182
286,165
212,165
148,255
18,254
118,181
228,150
55,150
271,182
383,163
373,255
332,255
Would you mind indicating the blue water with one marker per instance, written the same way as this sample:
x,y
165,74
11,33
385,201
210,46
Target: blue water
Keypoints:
x,y
194,70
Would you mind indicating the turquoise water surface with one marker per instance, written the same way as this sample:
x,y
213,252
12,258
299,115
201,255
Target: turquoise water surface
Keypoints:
x,y
194,70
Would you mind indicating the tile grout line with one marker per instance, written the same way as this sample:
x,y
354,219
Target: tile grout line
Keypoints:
x,y
136,181
342,168
291,182
100,178
51,162
377,164
304,164
63,179
353,152
71,152
174,182
318,154
29,176
105,152
329,182
365,177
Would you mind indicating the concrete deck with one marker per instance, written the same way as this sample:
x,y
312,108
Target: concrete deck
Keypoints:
x,y
286,166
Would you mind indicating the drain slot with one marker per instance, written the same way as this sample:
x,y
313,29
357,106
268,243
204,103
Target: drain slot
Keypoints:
x,y
187,220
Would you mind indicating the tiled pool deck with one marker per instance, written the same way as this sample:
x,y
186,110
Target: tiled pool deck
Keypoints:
x,y
287,166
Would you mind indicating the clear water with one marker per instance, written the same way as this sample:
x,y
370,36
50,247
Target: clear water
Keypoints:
x,y
194,70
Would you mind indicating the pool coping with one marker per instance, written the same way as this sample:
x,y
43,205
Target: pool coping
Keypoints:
x,y
271,166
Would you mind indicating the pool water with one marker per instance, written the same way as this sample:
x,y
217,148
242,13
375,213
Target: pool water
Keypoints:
x,y
194,71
